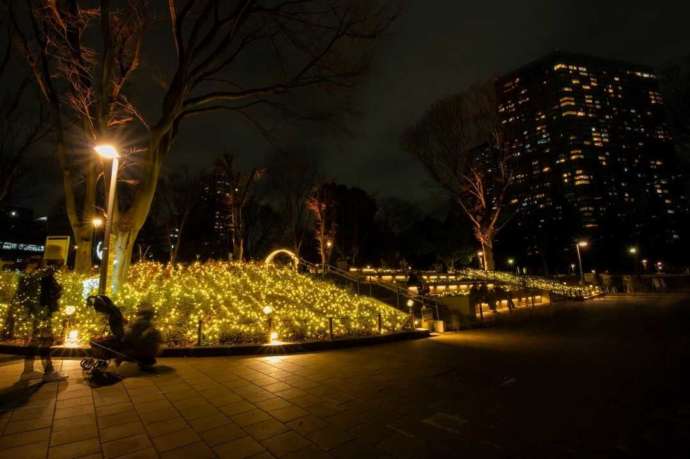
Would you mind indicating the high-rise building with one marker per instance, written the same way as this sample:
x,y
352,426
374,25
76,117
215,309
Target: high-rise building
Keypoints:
x,y
215,213
591,147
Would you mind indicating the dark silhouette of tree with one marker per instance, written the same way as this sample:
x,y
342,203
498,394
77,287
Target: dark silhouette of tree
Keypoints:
x,y
459,143
322,205
291,178
181,193
239,192
355,219
19,131
84,55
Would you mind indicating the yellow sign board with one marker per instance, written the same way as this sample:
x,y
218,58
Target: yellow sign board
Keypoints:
x,y
57,249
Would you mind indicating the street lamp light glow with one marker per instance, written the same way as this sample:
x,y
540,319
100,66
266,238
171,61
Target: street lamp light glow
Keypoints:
x,y
97,222
410,303
583,243
511,261
632,250
107,151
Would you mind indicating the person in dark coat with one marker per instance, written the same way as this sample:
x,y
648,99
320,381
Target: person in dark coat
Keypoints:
x,y
142,339
39,294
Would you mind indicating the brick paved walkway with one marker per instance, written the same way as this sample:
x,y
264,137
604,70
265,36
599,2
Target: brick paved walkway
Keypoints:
x,y
299,406
604,379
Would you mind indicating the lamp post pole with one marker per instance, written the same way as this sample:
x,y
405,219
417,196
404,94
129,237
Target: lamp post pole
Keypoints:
x,y
110,152
579,262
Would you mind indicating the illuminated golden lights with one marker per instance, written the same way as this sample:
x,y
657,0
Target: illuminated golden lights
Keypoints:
x,y
106,151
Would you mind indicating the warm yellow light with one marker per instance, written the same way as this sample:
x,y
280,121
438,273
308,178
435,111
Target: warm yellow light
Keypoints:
x,y
69,310
329,244
480,254
73,338
583,243
107,151
410,303
511,261
97,222
274,336
267,310
632,250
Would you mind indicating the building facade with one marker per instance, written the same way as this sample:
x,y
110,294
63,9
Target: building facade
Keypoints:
x,y
591,148
215,218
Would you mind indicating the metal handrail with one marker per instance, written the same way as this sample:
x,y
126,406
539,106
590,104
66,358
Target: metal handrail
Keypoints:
x,y
398,291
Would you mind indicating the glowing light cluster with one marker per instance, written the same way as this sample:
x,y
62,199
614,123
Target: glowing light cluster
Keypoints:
x,y
229,299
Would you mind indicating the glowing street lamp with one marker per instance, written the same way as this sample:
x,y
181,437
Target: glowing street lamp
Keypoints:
x,y
578,245
108,151
97,222
480,257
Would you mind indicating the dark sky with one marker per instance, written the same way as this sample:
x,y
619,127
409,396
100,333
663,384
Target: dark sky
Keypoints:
x,y
439,47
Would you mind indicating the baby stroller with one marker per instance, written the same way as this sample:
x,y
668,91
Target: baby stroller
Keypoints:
x,y
117,346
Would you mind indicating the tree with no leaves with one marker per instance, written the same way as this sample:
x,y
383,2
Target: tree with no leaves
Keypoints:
x,y
85,58
19,131
322,204
240,189
292,176
459,143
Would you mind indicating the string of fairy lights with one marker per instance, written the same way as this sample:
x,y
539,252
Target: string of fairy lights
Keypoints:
x,y
227,302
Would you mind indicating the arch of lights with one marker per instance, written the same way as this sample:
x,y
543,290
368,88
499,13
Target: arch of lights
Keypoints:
x,y
289,253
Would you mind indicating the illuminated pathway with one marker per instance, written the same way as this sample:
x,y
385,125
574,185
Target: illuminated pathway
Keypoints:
x,y
600,379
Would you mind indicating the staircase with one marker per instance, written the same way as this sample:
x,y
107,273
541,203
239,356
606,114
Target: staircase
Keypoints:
x,y
389,293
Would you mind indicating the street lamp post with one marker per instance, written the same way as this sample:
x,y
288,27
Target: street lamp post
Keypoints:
x,y
96,223
579,244
108,152
636,255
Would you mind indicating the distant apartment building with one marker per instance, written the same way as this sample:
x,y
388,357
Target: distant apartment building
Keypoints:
x,y
591,146
215,214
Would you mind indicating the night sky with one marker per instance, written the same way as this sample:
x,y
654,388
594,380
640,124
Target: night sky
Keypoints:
x,y
436,48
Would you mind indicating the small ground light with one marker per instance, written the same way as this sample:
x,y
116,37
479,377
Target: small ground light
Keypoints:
x,y
73,338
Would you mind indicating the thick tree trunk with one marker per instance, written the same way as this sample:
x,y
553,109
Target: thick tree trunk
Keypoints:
x,y
485,237
121,247
489,263
237,249
83,238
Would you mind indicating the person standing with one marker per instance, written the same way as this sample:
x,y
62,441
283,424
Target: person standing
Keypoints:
x,y
39,292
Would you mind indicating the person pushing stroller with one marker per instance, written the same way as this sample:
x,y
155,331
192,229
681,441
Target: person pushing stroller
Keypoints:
x,y
138,341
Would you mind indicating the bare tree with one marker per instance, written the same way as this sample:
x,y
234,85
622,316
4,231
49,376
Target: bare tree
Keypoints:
x,y
240,189
83,59
459,143
292,176
321,204
19,131
181,193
